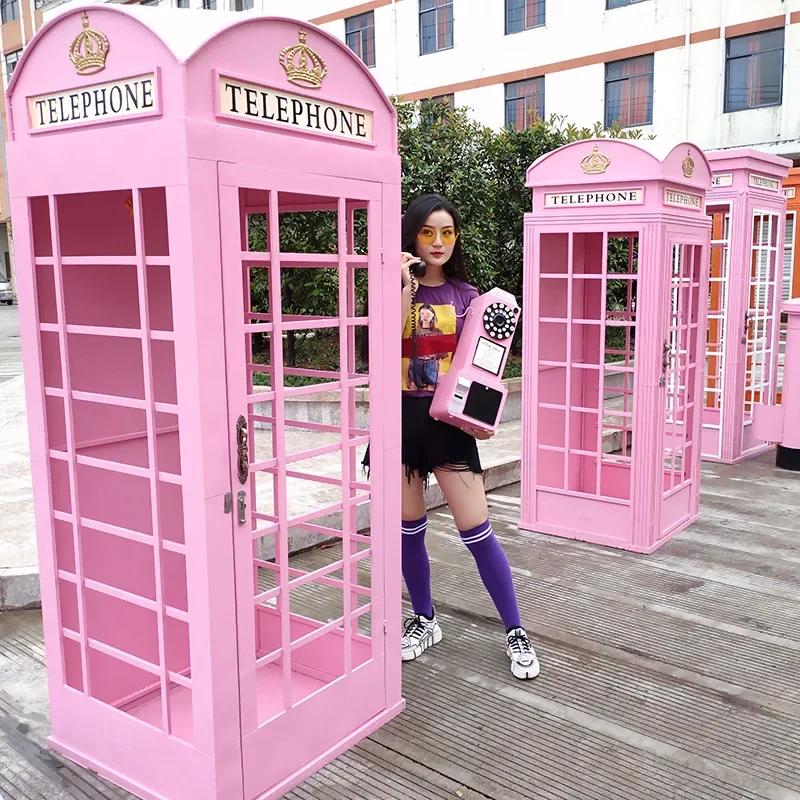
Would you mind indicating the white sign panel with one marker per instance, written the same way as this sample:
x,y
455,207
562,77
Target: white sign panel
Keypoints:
x,y
760,182
790,192
100,102
249,101
620,197
683,200
722,180
489,356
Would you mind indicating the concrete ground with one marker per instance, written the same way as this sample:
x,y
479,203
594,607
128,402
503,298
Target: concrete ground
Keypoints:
x,y
10,352
674,676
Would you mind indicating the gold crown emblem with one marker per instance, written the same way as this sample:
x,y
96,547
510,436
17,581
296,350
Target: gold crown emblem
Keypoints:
x,y
302,65
595,163
688,165
89,49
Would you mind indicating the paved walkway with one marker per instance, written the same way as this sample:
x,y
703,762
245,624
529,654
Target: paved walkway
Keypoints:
x,y
674,676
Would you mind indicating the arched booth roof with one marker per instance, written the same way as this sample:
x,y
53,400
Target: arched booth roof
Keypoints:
x,y
190,55
618,160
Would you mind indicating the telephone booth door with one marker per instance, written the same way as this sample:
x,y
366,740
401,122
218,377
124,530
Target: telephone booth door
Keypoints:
x,y
311,641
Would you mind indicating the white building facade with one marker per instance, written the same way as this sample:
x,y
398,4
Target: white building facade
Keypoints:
x,y
721,73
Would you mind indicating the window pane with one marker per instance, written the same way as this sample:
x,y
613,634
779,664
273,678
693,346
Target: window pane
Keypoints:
x,y
738,84
445,27
427,32
535,13
767,77
757,43
515,16
427,5
641,104
620,3
616,98
359,22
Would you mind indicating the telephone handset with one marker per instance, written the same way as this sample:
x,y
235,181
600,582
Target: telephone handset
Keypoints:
x,y
472,392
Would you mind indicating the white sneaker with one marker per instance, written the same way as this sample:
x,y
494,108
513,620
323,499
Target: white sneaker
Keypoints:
x,y
524,664
420,633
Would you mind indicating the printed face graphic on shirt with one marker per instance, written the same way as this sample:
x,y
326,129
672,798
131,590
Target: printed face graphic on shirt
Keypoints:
x,y
436,342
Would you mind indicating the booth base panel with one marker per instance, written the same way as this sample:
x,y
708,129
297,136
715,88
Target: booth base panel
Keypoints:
x,y
334,752
129,784
604,523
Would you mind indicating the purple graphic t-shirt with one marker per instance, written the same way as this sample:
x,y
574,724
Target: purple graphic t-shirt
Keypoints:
x,y
440,312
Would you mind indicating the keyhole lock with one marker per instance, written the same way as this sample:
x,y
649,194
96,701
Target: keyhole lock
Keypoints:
x,y
241,508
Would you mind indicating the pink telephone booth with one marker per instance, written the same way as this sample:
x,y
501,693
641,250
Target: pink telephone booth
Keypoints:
x,y
161,166
616,280
748,211
781,423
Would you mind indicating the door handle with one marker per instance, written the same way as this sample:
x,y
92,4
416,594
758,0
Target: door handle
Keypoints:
x,y
241,508
241,450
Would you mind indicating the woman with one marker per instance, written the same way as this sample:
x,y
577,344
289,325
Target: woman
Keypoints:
x,y
430,234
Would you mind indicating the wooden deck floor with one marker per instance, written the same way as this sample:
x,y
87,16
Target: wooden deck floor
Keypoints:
x,y
670,676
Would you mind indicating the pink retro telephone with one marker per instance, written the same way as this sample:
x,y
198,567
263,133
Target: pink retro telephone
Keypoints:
x,y
472,392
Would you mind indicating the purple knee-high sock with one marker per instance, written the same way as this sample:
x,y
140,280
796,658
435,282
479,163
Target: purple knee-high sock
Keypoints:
x,y
494,571
416,567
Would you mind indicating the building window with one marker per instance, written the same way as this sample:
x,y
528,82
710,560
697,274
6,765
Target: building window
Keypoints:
x,y
620,3
435,25
754,71
447,99
524,102
9,10
148,2
629,92
242,5
360,36
523,14
183,3
210,5
429,114
11,62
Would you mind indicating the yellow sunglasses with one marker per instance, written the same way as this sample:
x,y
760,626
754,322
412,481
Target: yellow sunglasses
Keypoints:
x,y
427,235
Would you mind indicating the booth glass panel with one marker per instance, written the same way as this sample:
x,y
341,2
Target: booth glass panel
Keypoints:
x,y
104,300
587,335
680,366
762,314
314,625
714,396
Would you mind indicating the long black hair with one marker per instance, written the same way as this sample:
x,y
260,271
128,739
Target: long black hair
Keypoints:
x,y
414,220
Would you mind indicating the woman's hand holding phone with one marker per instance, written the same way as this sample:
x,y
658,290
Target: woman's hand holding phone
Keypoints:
x,y
410,266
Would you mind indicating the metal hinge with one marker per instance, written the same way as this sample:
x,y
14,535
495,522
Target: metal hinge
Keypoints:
x,y
228,502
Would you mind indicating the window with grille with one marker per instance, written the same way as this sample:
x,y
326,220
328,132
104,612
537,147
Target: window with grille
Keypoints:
x,y
524,102
210,5
12,59
524,14
360,36
9,10
435,25
629,92
754,71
